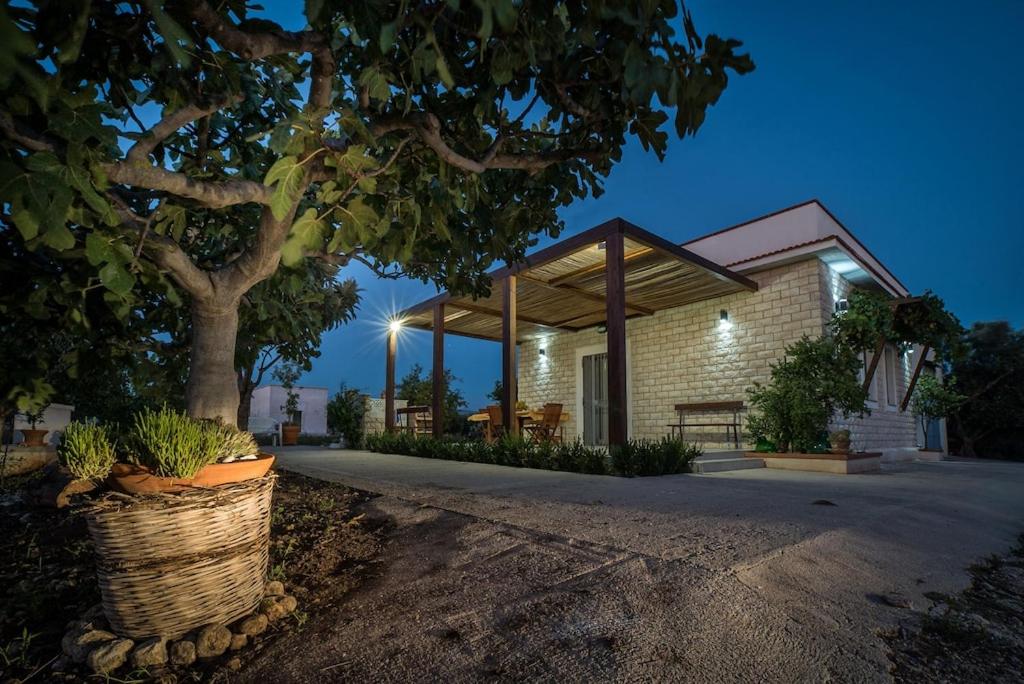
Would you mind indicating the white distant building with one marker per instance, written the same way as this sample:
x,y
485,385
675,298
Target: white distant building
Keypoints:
x,y
268,400
55,418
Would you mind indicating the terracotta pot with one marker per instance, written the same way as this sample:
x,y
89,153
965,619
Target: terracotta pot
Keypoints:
x,y
289,434
134,479
34,438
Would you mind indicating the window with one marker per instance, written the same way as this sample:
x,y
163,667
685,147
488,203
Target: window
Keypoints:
x,y
889,360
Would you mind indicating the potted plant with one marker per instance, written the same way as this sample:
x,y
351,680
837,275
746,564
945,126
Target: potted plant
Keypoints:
x,y
185,541
34,437
839,440
167,451
288,374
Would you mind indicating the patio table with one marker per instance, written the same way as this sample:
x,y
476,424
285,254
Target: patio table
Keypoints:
x,y
523,416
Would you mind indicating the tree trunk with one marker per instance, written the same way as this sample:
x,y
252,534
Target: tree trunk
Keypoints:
x,y
212,390
244,397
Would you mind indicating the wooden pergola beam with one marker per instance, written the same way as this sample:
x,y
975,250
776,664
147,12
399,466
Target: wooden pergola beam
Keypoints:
x,y
597,268
437,408
389,382
476,308
913,378
508,355
579,292
869,373
615,305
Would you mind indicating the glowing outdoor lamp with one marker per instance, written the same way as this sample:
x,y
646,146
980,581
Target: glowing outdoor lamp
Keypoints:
x,y
723,320
395,325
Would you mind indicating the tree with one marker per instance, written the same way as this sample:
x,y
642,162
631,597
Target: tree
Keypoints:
x,y
285,317
426,139
932,400
814,381
990,377
418,390
345,412
288,373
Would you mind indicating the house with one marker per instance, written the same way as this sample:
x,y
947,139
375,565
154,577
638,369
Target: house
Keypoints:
x,y
619,325
268,402
54,419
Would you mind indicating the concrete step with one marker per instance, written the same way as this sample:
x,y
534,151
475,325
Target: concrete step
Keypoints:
x,y
725,464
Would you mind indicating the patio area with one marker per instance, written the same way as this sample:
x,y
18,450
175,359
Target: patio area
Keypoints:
x,y
738,576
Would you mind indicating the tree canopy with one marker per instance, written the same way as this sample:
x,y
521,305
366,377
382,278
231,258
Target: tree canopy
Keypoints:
x,y
188,148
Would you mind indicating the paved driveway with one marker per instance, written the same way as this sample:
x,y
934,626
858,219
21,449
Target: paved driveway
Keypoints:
x,y
780,573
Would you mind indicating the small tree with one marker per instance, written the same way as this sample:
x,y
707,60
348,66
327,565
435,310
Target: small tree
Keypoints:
x,y
814,381
345,412
933,400
288,374
418,389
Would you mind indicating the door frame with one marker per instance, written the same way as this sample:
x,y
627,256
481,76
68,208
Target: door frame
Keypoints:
x,y
602,348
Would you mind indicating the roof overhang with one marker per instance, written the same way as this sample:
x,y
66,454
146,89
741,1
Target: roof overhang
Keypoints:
x,y
562,287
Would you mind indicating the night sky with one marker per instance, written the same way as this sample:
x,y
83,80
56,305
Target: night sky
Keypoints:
x,y
904,119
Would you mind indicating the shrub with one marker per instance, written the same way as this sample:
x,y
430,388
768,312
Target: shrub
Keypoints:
x,y
172,444
345,412
235,442
306,439
667,456
87,450
639,457
814,381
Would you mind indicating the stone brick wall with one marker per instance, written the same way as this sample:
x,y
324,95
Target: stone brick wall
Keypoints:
x,y
886,428
684,355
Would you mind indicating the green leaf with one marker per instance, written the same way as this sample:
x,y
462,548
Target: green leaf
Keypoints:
x,y
59,237
98,250
27,223
287,174
388,35
306,233
174,36
375,82
116,279
442,71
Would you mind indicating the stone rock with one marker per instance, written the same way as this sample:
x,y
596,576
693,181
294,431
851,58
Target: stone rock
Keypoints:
x,y
288,603
275,611
183,653
253,625
110,656
212,641
95,613
235,664
78,644
238,642
150,653
274,588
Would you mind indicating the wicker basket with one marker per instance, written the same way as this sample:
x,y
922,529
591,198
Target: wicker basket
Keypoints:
x,y
168,563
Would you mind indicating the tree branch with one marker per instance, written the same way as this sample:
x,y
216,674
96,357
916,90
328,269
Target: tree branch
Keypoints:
x,y
251,45
212,194
21,135
168,124
428,128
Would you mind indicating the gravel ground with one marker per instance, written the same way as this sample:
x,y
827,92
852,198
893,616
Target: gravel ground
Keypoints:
x,y
754,576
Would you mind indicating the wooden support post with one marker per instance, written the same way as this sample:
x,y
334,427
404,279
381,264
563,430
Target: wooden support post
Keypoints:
x,y
508,355
389,383
869,372
913,378
437,409
615,309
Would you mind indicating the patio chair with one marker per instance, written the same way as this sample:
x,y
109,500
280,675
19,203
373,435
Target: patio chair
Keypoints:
x,y
548,428
495,421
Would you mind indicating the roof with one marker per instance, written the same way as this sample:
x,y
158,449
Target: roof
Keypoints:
x,y
562,287
800,231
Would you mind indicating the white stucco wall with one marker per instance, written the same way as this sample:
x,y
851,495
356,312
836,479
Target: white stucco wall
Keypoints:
x,y
267,401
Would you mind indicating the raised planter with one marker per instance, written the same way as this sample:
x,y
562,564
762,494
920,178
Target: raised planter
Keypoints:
x,y
289,434
34,438
843,464
24,459
168,564
135,479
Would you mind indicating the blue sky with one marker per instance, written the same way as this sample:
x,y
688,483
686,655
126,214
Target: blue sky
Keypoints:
x,y
903,118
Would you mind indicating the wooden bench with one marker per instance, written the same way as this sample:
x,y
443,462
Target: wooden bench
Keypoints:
x,y
709,408
417,420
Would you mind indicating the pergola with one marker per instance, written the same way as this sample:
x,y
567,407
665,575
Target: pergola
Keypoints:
x,y
602,276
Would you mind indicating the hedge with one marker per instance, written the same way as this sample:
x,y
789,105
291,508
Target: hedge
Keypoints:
x,y
639,457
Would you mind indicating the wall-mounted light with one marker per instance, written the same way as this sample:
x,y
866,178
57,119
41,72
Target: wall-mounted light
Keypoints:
x,y
602,245
842,306
723,320
602,329
542,351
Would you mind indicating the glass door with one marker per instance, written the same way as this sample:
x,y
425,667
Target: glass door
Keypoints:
x,y
595,400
